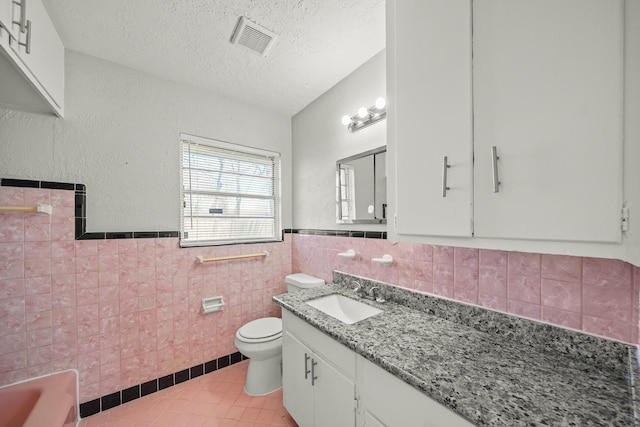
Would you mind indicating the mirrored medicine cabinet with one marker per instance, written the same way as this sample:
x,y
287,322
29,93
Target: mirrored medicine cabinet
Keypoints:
x,y
361,183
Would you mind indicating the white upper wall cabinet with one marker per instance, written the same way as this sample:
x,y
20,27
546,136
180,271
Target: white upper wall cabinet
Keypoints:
x,y
32,60
548,94
542,82
433,117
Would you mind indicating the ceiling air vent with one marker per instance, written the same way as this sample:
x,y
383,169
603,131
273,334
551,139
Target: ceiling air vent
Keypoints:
x,y
253,36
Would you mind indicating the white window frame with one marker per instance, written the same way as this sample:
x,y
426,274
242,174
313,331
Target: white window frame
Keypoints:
x,y
236,149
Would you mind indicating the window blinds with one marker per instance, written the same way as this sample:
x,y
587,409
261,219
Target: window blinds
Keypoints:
x,y
230,193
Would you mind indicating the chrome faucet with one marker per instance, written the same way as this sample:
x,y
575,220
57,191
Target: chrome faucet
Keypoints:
x,y
372,294
358,290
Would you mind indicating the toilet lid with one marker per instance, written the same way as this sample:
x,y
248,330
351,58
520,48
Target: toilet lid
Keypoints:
x,y
261,328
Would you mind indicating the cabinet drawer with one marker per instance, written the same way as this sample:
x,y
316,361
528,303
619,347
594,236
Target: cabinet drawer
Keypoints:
x,y
322,344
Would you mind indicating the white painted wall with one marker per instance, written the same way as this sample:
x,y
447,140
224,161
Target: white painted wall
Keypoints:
x,y
320,138
120,138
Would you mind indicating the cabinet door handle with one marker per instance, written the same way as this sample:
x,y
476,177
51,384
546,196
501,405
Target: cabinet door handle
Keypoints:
x,y
494,168
313,372
306,366
445,166
23,15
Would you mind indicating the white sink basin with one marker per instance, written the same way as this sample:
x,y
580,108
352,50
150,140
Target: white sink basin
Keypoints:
x,y
344,308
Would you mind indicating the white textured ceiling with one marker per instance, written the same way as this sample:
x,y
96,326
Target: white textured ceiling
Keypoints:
x,y
319,42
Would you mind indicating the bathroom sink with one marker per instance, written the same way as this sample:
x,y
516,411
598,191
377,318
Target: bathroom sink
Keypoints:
x,y
344,308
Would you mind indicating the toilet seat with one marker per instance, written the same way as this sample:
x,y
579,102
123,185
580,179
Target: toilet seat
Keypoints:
x,y
261,330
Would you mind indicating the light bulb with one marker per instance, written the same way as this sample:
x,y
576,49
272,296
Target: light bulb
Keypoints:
x,y
381,103
346,120
363,112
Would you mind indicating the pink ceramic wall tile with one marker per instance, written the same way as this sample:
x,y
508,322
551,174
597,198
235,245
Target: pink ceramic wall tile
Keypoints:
x,y
465,278
33,196
524,309
86,264
63,198
86,296
37,320
37,267
36,232
13,361
62,215
37,285
493,281
443,255
86,280
608,302
443,290
63,266
562,295
13,342
108,262
493,302
12,288
606,328
423,253
12,229
63,316
63,231
469,296
63,249
12,196
39,355
107,247
11,268
466,257
562,267
63,283
38,338
12,251
492,259
35,250
86,247
39,302
443,274
524,288
524,264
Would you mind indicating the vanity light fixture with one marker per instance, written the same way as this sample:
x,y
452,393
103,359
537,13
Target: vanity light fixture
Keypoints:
x,y
366,116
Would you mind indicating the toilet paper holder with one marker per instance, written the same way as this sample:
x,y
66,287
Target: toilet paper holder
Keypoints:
x,y
213,304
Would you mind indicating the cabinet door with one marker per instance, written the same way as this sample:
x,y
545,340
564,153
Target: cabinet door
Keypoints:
x,y
389,401
432,113
6,8
334,396
297,390
46,57
548,81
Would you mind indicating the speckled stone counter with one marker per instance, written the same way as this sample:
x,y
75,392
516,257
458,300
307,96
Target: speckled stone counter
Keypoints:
x,y
491,368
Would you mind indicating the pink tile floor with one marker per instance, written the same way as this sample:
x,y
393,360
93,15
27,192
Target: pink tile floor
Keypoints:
x,y
215,399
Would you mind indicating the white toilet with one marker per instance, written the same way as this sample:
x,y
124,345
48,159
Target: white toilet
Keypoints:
x,y
261,341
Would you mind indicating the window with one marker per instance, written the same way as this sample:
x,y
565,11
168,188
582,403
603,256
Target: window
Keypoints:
x,y
230,193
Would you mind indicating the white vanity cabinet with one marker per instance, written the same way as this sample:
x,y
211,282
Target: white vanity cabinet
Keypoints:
x,y
32,61
388,401
317,376
539,80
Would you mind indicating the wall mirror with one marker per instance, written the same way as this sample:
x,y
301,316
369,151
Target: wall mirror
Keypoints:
x,y
362,188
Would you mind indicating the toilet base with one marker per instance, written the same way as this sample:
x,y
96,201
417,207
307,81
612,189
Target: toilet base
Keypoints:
x,y
263,376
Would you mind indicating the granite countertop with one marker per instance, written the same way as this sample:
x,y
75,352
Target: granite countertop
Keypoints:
x,y
486,374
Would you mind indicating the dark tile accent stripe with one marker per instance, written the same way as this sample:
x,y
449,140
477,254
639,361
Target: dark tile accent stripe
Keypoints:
x,y
165,382
132,393
111,400
339,233
148,387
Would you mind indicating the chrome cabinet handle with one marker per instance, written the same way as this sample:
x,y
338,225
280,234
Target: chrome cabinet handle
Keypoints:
x,y
306,366
494,167
445,166
23,15
313,372
27,44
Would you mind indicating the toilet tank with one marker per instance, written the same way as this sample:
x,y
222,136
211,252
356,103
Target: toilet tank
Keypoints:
x,y
299,281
